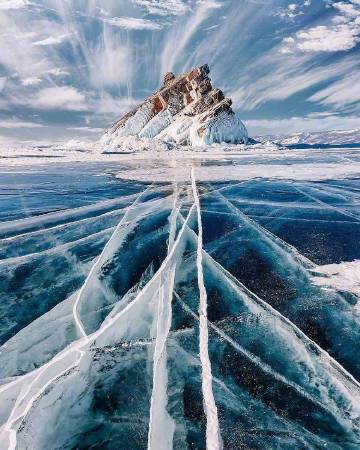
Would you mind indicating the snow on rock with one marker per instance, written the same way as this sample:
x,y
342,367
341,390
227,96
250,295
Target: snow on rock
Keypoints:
x,y
133,144
186,111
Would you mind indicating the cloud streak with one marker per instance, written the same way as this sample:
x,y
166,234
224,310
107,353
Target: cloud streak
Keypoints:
x,y
53,40
180,36
15,124
164,7
133,23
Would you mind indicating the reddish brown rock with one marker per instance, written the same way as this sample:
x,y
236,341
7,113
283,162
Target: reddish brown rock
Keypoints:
x,y
167,113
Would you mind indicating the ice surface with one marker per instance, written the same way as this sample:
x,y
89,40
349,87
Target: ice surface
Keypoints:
x,y
188,314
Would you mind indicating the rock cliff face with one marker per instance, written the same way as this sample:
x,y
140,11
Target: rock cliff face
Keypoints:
x,y
186,110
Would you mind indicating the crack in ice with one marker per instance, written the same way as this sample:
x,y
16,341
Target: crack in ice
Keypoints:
x,y
77,347
320,202
99,261
213,437
161,425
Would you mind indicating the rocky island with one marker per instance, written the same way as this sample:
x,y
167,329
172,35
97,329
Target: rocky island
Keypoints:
x,y
185,111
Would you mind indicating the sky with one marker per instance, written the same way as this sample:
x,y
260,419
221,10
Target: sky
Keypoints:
x,y
69,68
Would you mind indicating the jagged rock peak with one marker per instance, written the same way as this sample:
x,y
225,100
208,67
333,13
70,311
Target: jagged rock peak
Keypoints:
x,y
187,110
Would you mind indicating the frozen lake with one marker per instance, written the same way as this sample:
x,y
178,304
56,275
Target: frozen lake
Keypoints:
x,y
165,301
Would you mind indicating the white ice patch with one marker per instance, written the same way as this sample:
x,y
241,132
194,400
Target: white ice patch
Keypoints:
x,y
343,277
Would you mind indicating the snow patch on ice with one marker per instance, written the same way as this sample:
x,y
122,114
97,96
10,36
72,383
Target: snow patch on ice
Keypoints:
x,y
344,276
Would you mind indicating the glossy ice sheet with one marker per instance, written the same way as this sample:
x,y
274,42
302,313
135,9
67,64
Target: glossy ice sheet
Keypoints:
x,y
176,315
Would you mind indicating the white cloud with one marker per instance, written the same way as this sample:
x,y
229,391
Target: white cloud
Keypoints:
x,y
110,62
348,9
103,11
291,11
57,72
31,81
63,98
285,79
86,129
13,4
108,104
15,123
327,39
133,23
288,40
341,34
17,53
164,7
53,40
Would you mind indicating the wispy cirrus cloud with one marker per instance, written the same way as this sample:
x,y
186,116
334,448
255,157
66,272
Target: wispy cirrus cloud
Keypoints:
x,y
180,35
109,62
86,129
17,123
164,7
342,93
133,23
53,40
57,72
280,80
2,83
94,60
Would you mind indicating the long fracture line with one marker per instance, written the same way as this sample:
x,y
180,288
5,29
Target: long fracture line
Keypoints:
x,y
213,438
161,425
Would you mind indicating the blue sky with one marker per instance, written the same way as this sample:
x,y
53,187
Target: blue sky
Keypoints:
x,y
70,67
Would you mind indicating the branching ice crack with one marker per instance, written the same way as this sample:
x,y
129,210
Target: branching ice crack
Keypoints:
x,y
98,263
25,398
349,385
320,202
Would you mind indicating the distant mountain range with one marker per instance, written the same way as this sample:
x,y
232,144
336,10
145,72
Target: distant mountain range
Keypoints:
x,y
321,139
